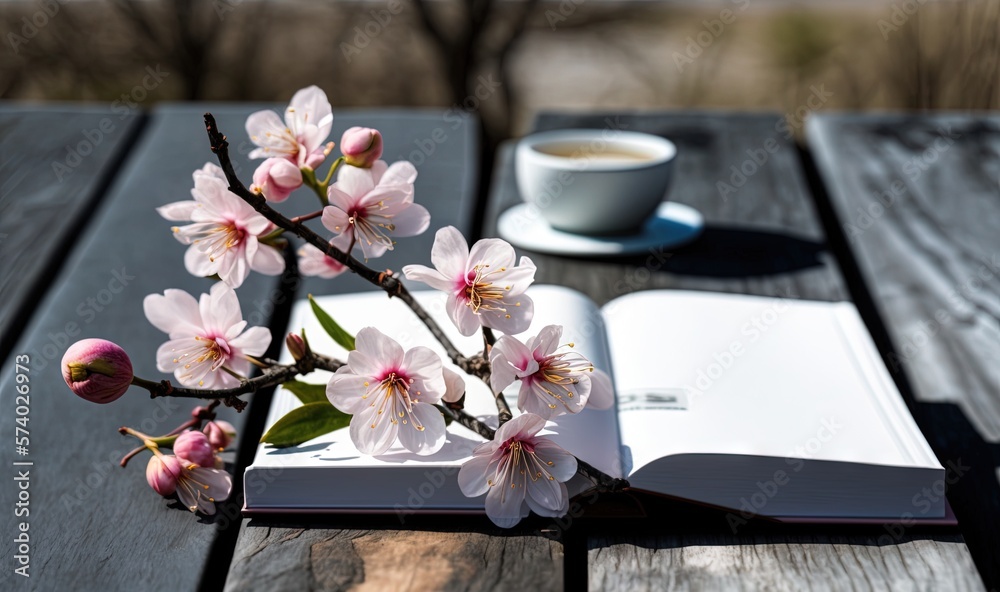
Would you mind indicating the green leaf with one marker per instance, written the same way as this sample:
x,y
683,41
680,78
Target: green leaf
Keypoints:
x,y
307,393
343,338
305,423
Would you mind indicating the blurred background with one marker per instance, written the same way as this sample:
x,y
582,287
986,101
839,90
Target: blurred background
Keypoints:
x,y
508,59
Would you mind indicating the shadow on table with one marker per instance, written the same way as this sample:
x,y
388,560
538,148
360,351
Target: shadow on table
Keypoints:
x,y
732,251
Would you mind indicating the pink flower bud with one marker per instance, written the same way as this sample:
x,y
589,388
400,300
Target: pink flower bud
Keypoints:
x,y
277,178
361,146
97,370
220,434
296,346
194,446
162,473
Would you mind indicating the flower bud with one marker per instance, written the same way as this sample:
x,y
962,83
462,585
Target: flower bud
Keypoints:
x,y
220,434
277,178
97,370
297,346
361,146
194,446
454,394
162,473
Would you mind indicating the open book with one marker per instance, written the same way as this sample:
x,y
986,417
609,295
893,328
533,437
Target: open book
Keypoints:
x,y
766,406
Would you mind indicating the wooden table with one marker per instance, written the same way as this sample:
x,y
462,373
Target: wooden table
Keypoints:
x,y
96,526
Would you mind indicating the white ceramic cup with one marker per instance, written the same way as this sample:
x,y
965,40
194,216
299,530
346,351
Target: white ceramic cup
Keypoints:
x,y
594,181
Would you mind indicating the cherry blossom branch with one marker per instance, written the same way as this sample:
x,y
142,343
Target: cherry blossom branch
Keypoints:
x,y
601,480
272,376
383,279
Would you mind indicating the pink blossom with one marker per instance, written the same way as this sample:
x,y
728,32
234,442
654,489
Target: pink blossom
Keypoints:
x,y
374,205
521,471
220,434
276,179
97,370
300,137
225,231
391,394
197,487
361,146
551,383
205,336
483,286
195,447
313,262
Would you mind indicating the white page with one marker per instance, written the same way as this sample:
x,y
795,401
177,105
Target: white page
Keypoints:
x,y
757,376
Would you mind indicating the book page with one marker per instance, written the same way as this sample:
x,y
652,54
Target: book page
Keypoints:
x,y
708,373
591,435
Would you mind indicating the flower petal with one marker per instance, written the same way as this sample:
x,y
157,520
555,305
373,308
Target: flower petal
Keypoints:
x,y
494,252
431,277
346,391
602,393
517,319
546,341
520,277
467,321
268,260
422,430
379,350
175,312
450,253
178,211
547,497
472,476
424,365
563,465
505,504
523,426
400,172
373,434
253,341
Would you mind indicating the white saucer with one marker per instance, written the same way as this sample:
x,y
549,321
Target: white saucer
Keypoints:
x,y
674,224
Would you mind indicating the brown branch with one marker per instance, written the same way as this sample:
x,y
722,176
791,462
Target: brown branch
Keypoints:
x,y
272,376
383,279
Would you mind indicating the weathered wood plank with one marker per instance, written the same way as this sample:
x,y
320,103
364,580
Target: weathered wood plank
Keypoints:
x,y
918,199
92,524
792,563
275,558
762,238
54,163
270,556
